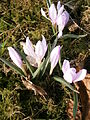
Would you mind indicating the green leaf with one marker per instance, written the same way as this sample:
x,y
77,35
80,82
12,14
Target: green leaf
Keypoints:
x,y
54,43
75,95
48,3
25,60
61,80
46,62
27,63
14,67
38,70
45,65
72,36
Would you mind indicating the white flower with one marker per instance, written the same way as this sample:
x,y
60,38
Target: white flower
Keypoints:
x,y
58,17
36,53
70,74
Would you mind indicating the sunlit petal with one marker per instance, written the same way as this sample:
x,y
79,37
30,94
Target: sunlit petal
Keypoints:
x,y
54,57
65,66
15,57
43,14
60,10
60,34
44,45
58,5
68,77
80,75
53,14
39,51
30,48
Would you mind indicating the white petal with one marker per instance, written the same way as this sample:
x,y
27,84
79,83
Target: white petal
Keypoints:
x,y
60,10
58,5
60,23
65,16
29,49
65,66
62,20
60,34
68,77
53,14
39,50
15,57
43,14
44,45
80,75
54,57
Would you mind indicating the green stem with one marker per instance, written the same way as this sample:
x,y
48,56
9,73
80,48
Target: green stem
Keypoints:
x,y
60,63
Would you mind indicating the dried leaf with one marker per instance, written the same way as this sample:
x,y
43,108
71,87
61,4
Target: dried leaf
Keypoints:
x,y
37,90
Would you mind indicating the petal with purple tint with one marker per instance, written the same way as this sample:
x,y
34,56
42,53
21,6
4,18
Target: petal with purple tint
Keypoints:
x,y
39,51
60,11
65,16
15,57
53,14
65,66
62,20
44,45
80,75
30,48
54,57
70,75
58,5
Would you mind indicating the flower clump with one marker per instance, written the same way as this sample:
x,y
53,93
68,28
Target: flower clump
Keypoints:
x,y
58,17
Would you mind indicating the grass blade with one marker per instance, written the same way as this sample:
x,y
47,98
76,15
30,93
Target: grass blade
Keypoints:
x,y
14,67
62,81
38,70
72,36
75,104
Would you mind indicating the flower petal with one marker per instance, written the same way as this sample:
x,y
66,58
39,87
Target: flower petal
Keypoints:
x,y
65,66
32,61
53,14
65,15
60,34
70,75
54,57
44,45
80,75
58,5
39,51
43,14
60,10
30,48
15,57
62,20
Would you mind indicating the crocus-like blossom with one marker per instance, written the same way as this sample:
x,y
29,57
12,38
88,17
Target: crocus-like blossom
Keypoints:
x,y
70,74
15,57
54,57
36,53
58,17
